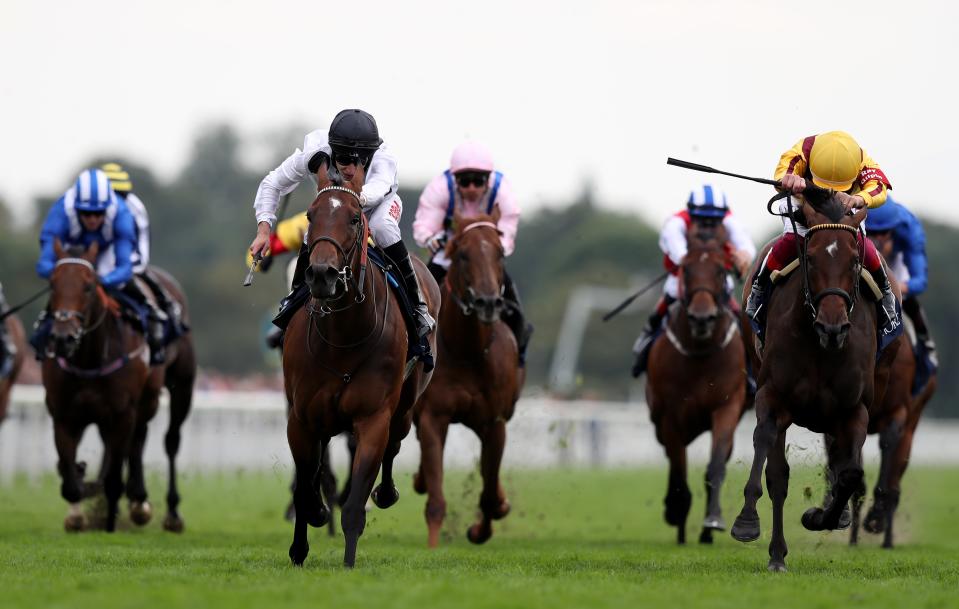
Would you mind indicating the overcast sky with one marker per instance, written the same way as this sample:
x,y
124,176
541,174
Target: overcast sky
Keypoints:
x,y
560,91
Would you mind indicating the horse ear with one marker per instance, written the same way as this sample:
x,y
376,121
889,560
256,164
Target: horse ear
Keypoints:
x,y
322,176
91,254
359,178
58,249
457,220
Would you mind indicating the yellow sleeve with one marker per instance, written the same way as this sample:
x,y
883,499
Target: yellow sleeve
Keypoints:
x,y
290,231
792,161
874,185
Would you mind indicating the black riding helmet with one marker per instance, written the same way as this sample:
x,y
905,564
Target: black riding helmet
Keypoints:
x,y
353,133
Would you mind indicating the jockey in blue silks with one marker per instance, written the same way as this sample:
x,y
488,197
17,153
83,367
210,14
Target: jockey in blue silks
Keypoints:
x,y
89,212
901,240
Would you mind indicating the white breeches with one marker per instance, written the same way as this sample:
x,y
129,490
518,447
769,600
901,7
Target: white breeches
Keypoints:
x,y
385,221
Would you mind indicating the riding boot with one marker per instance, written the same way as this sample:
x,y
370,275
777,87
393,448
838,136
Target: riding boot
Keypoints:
x,y
915,312
156,335
167,303
758,292
404,264
645,341
515,318
890,325
290,302
438,271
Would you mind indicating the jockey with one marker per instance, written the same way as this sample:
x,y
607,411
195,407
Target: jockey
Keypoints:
x,y
471,187
833,161
167,307
89,212
904,247
353,140
705,208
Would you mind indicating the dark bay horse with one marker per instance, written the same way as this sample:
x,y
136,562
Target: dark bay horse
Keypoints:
x,y
478,377
816,369
344,365
696,382
96,371
11,331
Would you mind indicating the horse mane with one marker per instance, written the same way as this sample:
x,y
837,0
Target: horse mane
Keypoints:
x,y
825,202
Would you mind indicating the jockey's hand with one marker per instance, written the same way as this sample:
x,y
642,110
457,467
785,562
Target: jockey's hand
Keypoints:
x,y
261,243
436,242
851,202
793,183
741,262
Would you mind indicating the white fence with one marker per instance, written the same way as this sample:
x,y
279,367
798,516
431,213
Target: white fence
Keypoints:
x,y
247,430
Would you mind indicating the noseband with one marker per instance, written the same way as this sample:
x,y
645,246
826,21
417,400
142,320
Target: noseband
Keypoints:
x,y
467,304
345,273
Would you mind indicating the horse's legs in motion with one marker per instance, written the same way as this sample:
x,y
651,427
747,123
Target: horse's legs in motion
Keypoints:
x,y
777,483
385,494
678,498
886,493
309,509
140,510
117,440
180,386
493,503
723,428
351,447
327,484
746,527
372,435
66,439
856,501
849,438
432,436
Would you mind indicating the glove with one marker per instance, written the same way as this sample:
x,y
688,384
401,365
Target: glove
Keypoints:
x,y
436,242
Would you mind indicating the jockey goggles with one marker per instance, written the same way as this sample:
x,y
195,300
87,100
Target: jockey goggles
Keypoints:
x,y
351,157
466,178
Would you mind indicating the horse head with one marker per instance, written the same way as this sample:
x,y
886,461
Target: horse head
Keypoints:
x,y
74,293
703,273
337,228
476,276
832,265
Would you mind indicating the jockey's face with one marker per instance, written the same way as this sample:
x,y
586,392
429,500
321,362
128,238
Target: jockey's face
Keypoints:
x,y
91,220
348,160
472,185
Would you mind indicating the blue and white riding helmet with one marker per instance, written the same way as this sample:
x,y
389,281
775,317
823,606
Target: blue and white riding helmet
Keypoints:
x,y
707,202
93,191
885,217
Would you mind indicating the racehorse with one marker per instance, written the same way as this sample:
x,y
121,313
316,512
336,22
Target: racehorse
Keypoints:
x,y
817,369
10,363
478,377
696,381
344,365
95,371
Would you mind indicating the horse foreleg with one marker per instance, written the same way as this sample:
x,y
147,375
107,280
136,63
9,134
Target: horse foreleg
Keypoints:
x,y
431,431
181,398
351,448
118,439
66,439
678,498
493,503
372,435
849,438
777,482
724,422
385,494
140,510
327,484
309,509
746,527
858,496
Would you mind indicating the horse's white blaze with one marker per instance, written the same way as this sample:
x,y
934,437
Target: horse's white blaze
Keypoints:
x,y
334,205
832,248
703,257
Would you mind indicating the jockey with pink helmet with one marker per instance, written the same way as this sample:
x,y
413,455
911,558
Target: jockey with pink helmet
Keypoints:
x,y
471,187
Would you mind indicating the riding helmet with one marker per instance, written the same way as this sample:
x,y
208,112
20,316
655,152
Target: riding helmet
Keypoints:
x,y
354,129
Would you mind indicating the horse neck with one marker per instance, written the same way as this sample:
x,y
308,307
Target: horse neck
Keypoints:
x,y
464,335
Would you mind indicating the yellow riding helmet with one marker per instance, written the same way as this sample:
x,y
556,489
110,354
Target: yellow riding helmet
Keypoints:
x,y
118,176
835,161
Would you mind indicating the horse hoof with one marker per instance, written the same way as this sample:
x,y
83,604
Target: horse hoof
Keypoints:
x,y
812,519
74,523
419,484
140,512
706,537
385,497
875,523
715,523
298,555
745,529
173,523
845,519
479,534
777,566
318,517
501,511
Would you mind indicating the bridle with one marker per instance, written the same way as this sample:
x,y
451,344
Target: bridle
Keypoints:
x,y
345,273
63,315
811,300
467,303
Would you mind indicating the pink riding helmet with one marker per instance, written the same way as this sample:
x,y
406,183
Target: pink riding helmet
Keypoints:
x,y
473,156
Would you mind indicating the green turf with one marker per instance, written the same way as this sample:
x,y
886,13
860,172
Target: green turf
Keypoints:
x,y
574,539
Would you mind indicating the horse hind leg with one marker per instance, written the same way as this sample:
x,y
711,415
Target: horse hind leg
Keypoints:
x,y
385,495
180,385
327,484
372,435
849,473
493,503
858,497
140,510
71,489
118,440
777,483
431,431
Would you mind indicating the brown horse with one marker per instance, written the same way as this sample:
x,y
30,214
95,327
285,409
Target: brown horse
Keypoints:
x,y
11,331
95,371
817,370
478,377
696,382
344,365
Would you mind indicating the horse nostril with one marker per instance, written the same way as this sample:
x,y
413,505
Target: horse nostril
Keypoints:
x,y
499,302
309,276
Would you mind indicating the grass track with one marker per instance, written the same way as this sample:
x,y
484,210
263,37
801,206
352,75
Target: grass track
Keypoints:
x,y
574,539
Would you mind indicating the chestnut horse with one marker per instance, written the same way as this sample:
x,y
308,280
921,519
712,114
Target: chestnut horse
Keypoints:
x,y
95,371
816,370
478,377
696,382
10,363
344,365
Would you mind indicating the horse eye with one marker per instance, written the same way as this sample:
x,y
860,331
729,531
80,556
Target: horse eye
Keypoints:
x,y
356,219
